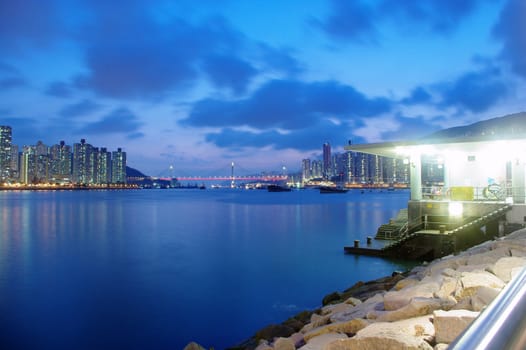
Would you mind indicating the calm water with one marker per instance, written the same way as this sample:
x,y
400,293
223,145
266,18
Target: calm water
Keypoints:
x,y
159,268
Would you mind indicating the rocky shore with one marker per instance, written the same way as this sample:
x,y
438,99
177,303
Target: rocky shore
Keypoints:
x,y
425,308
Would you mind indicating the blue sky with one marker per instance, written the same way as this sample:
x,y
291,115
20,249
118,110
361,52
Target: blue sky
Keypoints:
x,y
199,84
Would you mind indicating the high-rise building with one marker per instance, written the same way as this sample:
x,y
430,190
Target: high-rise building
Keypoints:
x,y
327,160
82,163
118,167
305,170
42,163
102,166
5,152
28,165
15,162
61,169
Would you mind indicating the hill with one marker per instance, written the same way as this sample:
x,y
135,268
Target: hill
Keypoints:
x,y
131,172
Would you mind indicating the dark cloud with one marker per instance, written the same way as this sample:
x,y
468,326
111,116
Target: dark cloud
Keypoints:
x,y
441,16
130,54
419,95
229,72
475,91
23,22
412,128
12,82
59,89
10,77
358,20
287,104
306,139
350,20
279,60
511,29
118,121
79,109
26,131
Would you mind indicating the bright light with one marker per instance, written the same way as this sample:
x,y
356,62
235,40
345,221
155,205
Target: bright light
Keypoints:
x,y
509,200
455,209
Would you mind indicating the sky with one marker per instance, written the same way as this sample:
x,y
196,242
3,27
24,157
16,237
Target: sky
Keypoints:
x,y
197,85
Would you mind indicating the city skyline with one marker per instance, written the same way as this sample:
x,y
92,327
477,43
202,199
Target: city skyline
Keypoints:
x,y
264,84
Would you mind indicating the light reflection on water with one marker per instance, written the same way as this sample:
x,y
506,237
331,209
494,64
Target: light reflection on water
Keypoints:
x,y
157,269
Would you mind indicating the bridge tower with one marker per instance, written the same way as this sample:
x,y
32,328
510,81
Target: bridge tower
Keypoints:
x,y
232,179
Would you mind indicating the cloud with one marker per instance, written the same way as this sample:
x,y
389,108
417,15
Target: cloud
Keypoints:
x,y
511,29
118,121
359,21
130,54
279,60
286,104
229,72
10,77
350,20
475,91
419,95
441,16
306,139
23,22
59,89
80,108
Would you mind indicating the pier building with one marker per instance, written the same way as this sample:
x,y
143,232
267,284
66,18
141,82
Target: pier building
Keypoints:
x,y
464,190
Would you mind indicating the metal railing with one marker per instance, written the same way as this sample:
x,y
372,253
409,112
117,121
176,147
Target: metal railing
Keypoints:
x,y
502,325
493,192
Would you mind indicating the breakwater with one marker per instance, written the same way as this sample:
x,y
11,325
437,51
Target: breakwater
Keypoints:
x,y
424,308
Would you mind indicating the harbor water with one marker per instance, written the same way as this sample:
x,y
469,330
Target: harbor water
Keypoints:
x,y
156,269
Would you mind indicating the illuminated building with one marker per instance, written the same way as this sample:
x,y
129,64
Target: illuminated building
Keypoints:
x,y
5,152
28,168
118,167
327,173
82,163
60,158
102,163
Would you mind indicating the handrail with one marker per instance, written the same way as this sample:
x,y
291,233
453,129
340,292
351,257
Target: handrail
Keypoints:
x,y
502,325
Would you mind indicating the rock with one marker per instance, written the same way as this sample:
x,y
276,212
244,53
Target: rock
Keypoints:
x,y
319,320
193,346
471,281
331,298
347,327
418,307
407,334
297,339
447,288
360,310
489,257
396,299
274,331
441,346
504,266
483,297
264,346
335,308
320,342
284,344
449,324
406,282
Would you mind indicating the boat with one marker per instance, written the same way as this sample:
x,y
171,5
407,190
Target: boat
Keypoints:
x,y
278,188
328,189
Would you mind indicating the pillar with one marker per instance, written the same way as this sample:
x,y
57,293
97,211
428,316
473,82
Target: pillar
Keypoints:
x,y
518,181
415,165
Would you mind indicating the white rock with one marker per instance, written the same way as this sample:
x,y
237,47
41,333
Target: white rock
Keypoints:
x,y
474,280
483,297
503,267
284,344
449,324
347,327
193,346
361,310
417,307
394,300
407,334
320,342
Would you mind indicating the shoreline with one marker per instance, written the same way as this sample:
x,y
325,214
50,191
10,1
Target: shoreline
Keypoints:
x,y
426,307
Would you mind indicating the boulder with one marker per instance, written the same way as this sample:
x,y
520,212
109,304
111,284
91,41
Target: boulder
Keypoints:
x,y
449,324
284,344
471,281
413,333
347,327
321,342
394,300
361,310
417,307
193,346
482,297
504,266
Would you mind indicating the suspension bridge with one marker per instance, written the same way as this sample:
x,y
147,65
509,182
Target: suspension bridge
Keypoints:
x,y
232,177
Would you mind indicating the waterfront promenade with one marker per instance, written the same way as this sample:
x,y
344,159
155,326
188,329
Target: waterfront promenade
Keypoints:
x,y
425,308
